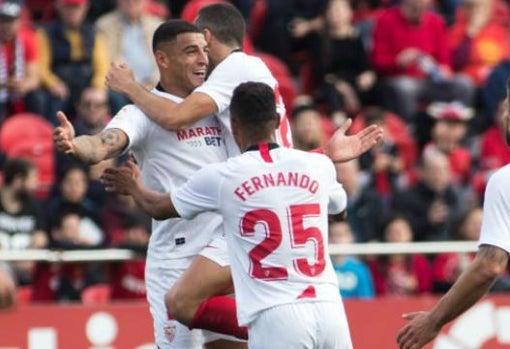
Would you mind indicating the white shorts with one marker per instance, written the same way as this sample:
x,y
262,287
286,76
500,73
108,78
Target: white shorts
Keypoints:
x,y
216,250
160,275
304,325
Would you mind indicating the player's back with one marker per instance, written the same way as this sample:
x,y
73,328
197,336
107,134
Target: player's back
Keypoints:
x,y
235,69
275,205
167,160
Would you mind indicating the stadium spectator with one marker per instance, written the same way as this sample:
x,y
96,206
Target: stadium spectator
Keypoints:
x,y
479,41
342,70
180,52
383,163
300,280
494,152
433,203
22,222
64,282
449,133
447,267
366,211
127,279
412,56
73,56
72,198
128,34
354,277
20,78
400,274
307,127
490,261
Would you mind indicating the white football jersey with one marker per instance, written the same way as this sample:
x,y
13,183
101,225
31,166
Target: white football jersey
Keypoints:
x,y
275,206
496,211
236,68
167,160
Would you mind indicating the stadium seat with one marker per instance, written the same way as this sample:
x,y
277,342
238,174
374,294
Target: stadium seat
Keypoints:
x,y
30,136
96,294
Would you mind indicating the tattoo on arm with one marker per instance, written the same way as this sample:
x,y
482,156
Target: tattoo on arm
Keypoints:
x,y
105,145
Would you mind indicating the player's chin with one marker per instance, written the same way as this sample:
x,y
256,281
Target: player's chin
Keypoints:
x,y
197,80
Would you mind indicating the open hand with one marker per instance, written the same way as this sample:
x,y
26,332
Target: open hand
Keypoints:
x,y
418,332
342,147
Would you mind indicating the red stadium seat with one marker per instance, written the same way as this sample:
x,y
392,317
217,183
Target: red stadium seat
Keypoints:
x,y
96,294
30,136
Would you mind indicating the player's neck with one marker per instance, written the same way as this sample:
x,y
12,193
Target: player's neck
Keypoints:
x,y
255,142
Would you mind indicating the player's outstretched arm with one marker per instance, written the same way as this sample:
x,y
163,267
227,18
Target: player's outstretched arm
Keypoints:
x,y
88,149
125,180
167,114
467,290
342,147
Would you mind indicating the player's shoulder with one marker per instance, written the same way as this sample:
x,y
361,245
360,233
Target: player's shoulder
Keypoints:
x,y
499,178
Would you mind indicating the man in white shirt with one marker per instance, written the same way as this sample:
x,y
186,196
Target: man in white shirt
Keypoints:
x,y
167,160
224,29
491,260
275,203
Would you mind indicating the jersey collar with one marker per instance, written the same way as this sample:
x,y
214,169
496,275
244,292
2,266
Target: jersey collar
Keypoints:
x,y
264,149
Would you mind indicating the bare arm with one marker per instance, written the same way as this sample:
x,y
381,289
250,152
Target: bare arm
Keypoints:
x,y
169,115
125,180
88,149
467,290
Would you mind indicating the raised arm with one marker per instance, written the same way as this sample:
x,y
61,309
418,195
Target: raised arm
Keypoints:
x,y
88,149
468,289
125,180
342,147
167,114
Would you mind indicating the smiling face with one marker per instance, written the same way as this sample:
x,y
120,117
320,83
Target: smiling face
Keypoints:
x,y
183,63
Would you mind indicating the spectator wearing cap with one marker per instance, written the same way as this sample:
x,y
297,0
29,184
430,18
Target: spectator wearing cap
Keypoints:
x,y
73,56
448,132
19,67
128,33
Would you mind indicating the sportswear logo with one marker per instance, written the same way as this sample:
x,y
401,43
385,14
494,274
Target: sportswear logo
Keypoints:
x,y
170,331
180,241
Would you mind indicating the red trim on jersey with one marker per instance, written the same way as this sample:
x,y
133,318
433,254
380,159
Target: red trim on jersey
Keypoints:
x,y
264,152
284,131
317,150
309,292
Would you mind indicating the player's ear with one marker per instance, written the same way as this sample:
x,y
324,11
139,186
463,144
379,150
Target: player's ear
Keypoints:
x,y
277,121
161,58
207,35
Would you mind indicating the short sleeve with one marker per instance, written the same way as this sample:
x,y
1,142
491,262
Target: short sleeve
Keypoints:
x,y
199,194
132,121
220,86
337,195
496,213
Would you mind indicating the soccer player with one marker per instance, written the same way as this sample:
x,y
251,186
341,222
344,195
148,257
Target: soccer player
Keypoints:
x,y
224,29
275,203
167,160
490,261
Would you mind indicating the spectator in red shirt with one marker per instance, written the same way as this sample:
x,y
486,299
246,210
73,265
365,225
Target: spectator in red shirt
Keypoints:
x,y
412,56
19,69
400,275
479,39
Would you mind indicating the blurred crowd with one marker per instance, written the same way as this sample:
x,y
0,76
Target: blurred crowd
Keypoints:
x,y
431,73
